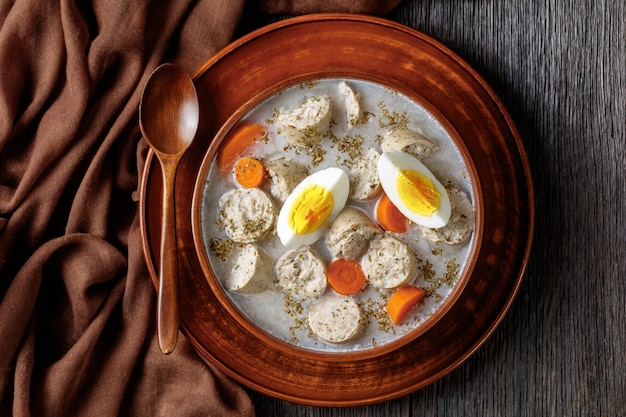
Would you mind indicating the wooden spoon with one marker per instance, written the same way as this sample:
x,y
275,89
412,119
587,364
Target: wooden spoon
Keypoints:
x,y
168,119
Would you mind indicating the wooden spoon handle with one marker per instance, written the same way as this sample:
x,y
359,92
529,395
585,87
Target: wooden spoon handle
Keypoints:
x,y
167,300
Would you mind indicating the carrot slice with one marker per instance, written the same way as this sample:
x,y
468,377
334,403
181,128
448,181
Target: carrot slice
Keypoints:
x,y
236,144
249,172
389,217
403,301
345,276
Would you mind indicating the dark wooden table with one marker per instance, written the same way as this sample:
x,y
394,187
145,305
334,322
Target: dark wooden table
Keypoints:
x,y
559,66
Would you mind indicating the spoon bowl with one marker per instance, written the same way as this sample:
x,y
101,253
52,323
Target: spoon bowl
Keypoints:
x,y
168,119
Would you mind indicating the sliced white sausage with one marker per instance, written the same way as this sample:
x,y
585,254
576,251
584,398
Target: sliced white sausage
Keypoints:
x,y
247,214
389,262
364,180
401,138
353,104
284,175
350,233
252,272
336,319
460,225
301,272
307,124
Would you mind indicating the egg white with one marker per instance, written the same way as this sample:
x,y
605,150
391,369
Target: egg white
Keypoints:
x,y
389,166
336,181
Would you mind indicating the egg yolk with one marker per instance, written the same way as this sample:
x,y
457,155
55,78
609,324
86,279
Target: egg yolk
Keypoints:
x,y
310,210
418,192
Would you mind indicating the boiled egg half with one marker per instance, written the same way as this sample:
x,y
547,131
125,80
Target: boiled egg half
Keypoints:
x,y
413,189
311,207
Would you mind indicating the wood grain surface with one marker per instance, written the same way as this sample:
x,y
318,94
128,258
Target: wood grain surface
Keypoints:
x,y
559,66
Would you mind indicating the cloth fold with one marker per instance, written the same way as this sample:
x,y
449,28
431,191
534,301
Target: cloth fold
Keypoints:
x,y
76,301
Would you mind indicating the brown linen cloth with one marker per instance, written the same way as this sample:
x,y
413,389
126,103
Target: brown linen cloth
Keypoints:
x,y
77,304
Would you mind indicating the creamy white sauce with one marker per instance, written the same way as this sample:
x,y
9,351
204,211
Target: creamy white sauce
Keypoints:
x,y
276,313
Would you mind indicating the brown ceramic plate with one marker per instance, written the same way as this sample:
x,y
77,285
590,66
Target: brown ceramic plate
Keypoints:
x,y
373,49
